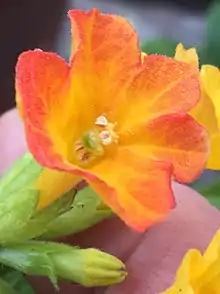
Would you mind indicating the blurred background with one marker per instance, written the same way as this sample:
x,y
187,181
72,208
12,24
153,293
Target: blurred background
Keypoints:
x,y
161,24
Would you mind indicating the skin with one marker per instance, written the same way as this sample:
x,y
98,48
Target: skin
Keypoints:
x,y
151,258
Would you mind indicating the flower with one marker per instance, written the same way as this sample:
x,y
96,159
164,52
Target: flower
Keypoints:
x,y
199,274
207,111
112,117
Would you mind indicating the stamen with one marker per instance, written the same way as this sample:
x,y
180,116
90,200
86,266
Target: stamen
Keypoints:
x,y
101,121
79,146
86,157
105,137
91,145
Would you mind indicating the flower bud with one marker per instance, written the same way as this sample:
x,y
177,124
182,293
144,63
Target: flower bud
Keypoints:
x,y
88,267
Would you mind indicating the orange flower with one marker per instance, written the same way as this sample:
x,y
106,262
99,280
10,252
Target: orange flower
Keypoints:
x,y
105,116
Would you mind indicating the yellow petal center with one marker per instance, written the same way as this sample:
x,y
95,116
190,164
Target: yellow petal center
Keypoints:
x,y
93,144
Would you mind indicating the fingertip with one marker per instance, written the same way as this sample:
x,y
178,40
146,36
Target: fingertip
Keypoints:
x,y
12,138
154,262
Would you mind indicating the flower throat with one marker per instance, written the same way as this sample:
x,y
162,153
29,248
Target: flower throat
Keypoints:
x,y
93,143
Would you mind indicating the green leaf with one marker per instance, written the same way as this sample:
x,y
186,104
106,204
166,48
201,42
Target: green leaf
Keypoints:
x,y
160,46
20,176
212,41
40,221
87,210
15,212
19,220
18,199
31,258
212,193
5,288
16,280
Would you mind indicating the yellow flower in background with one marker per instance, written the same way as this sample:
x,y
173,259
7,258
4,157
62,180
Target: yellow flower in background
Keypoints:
x,y
207,111
199,273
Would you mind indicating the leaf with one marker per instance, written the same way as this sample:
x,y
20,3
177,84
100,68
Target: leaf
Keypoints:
x,y
20,176
160,46
87,210
5,288
39,222
212,193
16,280
31,258
19,220
213,36
15,212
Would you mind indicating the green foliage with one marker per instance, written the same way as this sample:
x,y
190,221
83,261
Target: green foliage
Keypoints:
x,y
160,46
87,210
208,51
5,287
20,176
39,221
13,282
19,218
211,51
212,193
15,212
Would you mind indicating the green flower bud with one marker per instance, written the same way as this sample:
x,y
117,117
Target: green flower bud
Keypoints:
x,y
88,267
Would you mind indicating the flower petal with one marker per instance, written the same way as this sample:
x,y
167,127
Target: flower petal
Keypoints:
x,y
199,273
190,268
177,139
214,158
210,77
187,55
40,84
164,86
136,188
52,184
209,282
212,253
105,55
204,113
207,111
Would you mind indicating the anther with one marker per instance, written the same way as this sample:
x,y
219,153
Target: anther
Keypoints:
x,y
105,137
101,121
